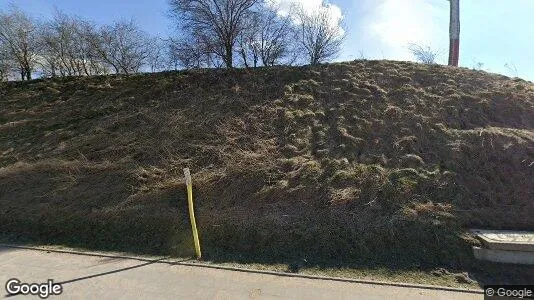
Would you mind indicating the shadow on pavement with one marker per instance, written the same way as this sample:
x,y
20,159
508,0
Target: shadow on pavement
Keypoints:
x,y
5,249
146,262
111,272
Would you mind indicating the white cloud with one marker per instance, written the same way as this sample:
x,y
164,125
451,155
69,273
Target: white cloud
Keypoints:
x,y
285,6
397,23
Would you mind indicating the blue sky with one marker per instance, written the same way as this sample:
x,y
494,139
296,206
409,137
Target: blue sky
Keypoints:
x,y
494,32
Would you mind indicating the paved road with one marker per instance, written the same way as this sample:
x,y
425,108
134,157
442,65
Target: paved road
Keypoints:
x,y
122,278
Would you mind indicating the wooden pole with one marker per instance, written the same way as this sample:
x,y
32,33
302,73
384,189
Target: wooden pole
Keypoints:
x,y
189,183
454,32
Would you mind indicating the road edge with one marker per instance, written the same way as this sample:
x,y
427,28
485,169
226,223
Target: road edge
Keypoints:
x,y
246,270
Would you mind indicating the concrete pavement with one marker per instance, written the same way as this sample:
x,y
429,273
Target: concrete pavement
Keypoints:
x,y
84,276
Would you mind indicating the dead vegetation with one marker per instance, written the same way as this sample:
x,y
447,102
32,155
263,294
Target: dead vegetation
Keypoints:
x,y
369,161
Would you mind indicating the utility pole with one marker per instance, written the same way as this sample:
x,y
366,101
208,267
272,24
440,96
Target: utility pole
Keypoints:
x,y
454,32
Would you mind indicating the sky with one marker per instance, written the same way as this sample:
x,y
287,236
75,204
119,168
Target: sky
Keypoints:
x,y
499,34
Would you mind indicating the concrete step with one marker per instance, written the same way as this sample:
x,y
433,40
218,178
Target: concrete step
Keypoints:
x,y
503,256
506,240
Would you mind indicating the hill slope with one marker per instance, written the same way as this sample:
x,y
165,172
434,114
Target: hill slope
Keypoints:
x,y
365,161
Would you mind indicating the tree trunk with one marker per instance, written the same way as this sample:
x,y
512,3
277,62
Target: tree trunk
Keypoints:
x,y
229,56
84,65
244,56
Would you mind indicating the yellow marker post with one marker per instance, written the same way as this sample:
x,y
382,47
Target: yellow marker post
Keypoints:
x,y
189,183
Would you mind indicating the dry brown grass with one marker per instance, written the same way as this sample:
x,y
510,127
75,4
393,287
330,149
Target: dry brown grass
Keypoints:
x,y
369,161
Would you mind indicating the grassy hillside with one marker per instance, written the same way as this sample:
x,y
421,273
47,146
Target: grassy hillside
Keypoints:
x,y
369,161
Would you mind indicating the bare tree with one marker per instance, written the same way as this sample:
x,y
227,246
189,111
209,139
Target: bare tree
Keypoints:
x,y
249,42
156,59
123,46
424,54
18,35
320,37
478,66
174,51
6,63
269,39
59,50
66,49
56,46
191,53
92,61
216,23
512,69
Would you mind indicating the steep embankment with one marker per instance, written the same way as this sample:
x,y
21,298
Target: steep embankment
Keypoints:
x,y
379,161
